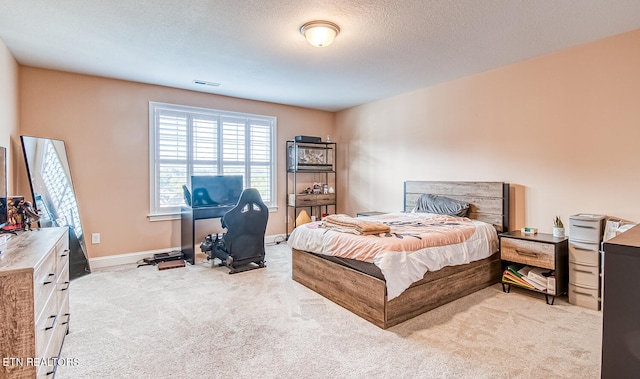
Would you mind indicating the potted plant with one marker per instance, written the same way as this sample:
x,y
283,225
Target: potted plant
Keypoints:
x,y
558,227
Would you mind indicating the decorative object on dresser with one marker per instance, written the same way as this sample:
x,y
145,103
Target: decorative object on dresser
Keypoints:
x,y
310,169
585,235
534,258
34,298
558,227
620,309
360,287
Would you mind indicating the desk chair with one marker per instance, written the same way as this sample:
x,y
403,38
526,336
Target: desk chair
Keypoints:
x,y
242,246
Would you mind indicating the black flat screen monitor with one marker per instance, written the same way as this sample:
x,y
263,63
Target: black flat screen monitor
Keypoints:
x,y
215,191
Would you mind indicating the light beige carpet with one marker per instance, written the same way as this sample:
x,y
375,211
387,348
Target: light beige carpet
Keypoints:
x,y
201,322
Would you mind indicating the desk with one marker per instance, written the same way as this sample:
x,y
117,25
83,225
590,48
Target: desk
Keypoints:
x,y
188,218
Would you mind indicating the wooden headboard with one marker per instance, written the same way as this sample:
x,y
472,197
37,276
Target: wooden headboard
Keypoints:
x,y
489,201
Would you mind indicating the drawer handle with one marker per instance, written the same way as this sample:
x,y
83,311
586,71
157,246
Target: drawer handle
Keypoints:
x,y
585,227
54,367
49,281
64,253
65,288
527,253
582,248
583,271
68,316
53,323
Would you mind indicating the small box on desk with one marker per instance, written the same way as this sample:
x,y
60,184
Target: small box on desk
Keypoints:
x,y
308,139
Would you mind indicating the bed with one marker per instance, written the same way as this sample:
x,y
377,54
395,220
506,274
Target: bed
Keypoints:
x,y
361,287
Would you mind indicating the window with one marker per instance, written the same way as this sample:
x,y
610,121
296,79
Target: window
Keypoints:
x,y
186,141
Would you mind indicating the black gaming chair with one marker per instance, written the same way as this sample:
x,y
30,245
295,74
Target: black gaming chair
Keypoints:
x,y
246,224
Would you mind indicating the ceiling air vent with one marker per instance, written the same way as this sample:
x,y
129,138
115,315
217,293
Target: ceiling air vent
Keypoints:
x,y
205,83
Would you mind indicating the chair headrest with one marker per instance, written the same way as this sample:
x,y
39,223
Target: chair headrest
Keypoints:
x,y
250,195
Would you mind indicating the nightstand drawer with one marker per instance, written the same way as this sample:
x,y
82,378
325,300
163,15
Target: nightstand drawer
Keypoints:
x,y
528,252
585,230
584,253
584,275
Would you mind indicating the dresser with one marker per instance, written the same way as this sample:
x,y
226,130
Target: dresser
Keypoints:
x,y
621,310
34,302
585,235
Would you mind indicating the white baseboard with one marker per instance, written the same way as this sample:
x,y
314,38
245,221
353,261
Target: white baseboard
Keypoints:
x,y
124,259
132,258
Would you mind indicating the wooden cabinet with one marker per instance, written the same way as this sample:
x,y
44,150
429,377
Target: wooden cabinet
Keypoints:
x,y
309,163
620,310
536,250
34,302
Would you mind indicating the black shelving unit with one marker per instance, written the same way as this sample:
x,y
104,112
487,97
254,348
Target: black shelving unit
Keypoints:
x,y
309,163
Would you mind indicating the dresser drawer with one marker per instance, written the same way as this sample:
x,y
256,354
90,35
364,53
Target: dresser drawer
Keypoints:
x,y
62,253
44,279
528,252
45,326
62,285
584,275
584,296
585,230
584,253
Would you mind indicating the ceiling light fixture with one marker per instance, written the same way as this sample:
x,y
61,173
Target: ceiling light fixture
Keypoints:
x,y
320,33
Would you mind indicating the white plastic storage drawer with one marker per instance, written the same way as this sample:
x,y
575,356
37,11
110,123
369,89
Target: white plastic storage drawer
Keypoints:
x,y
584,253
584,296
584,275
586,228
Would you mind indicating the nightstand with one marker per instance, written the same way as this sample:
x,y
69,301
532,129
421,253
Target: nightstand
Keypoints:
x,y
541,251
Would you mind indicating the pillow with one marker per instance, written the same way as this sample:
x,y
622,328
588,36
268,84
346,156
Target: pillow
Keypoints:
x,y
438,204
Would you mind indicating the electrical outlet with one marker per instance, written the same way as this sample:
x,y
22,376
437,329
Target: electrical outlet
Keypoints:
x,y
95,238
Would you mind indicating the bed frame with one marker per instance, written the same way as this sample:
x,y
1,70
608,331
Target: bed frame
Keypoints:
x,y
366,295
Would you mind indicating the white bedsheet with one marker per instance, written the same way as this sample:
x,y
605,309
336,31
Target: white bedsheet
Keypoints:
x,y
402,268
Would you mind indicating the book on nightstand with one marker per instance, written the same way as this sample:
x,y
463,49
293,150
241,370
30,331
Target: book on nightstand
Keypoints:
x,y
538,284
511,278
539,275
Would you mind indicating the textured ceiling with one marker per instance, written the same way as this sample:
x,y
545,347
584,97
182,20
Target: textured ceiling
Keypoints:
x,y
255,50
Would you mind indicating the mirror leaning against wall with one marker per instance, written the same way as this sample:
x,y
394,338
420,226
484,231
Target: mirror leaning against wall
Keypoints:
x,y
54,196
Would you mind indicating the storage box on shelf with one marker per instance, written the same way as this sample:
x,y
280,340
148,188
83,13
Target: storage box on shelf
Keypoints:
x,y
585,235
306,200
533,252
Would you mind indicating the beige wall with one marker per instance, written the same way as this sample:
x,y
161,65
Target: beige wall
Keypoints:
x,y
105,125
9,112
564,128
